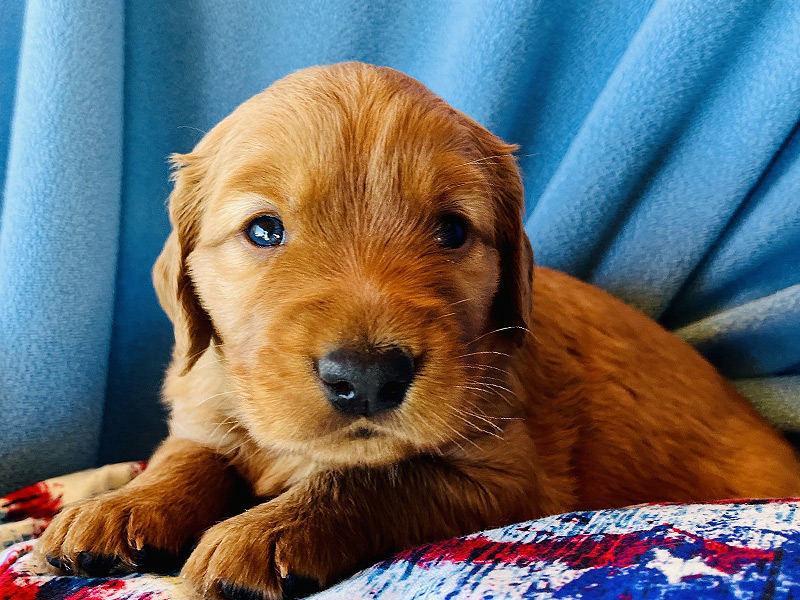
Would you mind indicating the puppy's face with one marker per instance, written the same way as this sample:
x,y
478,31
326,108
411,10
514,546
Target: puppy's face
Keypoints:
x,y
345,239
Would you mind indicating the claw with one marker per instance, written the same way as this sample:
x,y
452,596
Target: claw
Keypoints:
x,y
59,564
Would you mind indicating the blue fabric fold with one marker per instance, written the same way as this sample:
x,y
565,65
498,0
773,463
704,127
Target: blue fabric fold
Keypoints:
x,y
58,238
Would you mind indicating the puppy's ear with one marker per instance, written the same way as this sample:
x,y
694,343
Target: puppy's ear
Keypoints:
x,y
171,278
513,302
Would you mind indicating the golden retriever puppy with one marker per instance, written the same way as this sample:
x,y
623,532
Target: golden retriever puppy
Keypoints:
x,y
363,342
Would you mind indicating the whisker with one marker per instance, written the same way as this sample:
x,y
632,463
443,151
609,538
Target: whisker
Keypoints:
x,y
495,392
482,366
507,418
227,433
482,376
197,129
495,385
483,418
461,412
499,330
441,439
479,429
460,301
486,431
491,375
458,433
460,447
225,422
469,387
484,352
212,397
444,316
451,305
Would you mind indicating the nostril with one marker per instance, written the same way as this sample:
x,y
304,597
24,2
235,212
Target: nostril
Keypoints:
x,y
343,390
393,393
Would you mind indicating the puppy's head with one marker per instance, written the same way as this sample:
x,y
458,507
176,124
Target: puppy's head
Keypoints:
x,y
352,248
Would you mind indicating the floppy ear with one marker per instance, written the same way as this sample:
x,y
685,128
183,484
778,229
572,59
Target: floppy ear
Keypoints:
x,y
171,278
513,302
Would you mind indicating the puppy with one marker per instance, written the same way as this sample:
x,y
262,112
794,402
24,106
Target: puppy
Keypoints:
x,y
362,339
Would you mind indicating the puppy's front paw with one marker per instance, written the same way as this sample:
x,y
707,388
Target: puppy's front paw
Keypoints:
x,y
268,553
117,532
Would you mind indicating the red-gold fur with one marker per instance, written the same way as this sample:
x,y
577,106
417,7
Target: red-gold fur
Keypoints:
x,y
537,393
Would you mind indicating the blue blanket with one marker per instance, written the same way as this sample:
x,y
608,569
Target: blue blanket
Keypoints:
x,y
658,142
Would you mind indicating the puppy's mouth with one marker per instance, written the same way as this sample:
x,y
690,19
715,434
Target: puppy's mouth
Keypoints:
x,y
364,429
362,441
363,433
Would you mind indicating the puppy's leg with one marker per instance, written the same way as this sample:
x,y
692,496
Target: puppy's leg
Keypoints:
x,y
146,524
336,522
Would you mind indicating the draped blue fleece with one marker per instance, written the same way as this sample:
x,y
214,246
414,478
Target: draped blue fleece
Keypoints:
x,y
658,139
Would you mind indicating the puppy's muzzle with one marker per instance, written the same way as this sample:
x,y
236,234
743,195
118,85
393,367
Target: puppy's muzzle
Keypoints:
x,y
366,383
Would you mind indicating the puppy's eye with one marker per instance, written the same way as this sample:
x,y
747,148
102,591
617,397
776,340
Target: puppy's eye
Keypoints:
x,y
452,232
266,231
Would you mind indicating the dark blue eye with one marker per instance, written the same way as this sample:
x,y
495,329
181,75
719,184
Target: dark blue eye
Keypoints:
x,y
266,231
452,232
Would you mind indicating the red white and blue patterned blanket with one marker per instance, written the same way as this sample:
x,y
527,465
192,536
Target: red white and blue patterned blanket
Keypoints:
x,y
684,552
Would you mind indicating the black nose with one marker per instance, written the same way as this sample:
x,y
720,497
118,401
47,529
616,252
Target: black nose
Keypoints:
x,y
366,383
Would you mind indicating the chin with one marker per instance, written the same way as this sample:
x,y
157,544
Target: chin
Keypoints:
x,y
352,446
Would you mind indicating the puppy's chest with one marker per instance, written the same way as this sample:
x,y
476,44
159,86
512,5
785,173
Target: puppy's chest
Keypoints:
x,y
269,473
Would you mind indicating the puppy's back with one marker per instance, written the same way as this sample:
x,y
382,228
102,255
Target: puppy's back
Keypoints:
x,y
649,419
